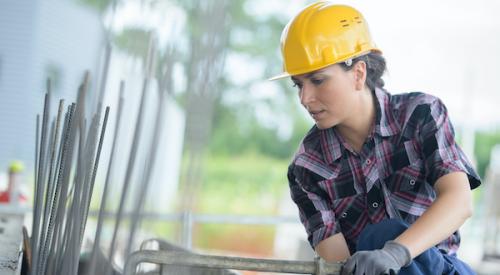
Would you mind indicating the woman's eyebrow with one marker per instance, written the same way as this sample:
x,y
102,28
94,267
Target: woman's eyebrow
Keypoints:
x,y
311,75
308,76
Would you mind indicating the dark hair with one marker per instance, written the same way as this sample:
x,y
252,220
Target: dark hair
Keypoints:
x,y
375,68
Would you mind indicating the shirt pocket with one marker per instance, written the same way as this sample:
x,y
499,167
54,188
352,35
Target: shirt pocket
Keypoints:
x,y
410,194
408,179
409,191
406,169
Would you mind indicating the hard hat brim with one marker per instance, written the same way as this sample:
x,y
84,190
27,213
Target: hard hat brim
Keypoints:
x,y
280,76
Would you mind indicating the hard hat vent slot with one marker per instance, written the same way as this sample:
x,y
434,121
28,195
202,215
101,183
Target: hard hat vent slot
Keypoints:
x,y
346,25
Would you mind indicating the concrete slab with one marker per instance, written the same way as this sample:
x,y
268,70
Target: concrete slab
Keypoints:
x,y
11,238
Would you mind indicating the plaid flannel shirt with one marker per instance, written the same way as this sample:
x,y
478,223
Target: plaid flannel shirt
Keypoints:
x,y
411,145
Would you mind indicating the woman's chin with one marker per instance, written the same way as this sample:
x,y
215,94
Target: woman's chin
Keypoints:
x,y
324,125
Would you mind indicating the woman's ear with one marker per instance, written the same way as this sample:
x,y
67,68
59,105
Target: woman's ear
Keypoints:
x,y
359,71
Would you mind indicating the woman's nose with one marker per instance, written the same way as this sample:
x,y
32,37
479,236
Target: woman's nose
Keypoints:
x,y
306,95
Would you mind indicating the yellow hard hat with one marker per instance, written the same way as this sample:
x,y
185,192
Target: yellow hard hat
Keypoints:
x,y
323,34
16,167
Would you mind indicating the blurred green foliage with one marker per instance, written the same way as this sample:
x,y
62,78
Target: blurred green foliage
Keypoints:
x,y
249,184
237,131
134,40
484,143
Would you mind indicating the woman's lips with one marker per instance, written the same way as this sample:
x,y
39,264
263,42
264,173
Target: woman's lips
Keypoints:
x,y
317,114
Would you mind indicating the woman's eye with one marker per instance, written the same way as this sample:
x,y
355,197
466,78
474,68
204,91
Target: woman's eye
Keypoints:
x,y
316,81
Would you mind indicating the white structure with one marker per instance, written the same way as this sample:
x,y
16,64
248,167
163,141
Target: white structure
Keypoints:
x,y
290,241
165,178
52,38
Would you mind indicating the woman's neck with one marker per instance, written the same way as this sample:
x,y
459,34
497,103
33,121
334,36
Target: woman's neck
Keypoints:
x,y
356,129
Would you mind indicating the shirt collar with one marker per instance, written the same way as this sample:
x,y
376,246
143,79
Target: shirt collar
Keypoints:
x,y
385,125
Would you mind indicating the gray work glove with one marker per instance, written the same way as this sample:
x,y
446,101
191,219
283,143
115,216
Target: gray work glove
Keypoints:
x,y
387,260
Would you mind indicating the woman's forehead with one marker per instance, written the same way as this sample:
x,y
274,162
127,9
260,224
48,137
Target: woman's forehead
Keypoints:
x,y
326,70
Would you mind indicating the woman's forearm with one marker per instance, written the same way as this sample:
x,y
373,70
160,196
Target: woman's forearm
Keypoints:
x,y
449,211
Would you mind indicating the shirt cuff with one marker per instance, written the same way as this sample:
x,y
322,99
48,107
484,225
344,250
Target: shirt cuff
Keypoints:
x,y
444,168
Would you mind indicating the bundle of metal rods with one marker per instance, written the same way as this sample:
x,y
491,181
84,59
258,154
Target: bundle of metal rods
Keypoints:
x,y
66,164
66,161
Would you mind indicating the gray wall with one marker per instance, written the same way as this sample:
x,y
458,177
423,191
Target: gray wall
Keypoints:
x,y
39,39
17,27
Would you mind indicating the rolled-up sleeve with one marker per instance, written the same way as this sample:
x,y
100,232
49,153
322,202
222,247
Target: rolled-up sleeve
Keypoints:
x,y
442,154
314,210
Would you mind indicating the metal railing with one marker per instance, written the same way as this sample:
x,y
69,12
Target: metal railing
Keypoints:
x,y
316,267
187,219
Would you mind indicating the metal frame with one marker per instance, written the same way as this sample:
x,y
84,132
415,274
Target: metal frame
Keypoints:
x,y
317,267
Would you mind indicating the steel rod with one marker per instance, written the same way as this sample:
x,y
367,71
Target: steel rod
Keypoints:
x,y
105,192
57,191
39,185
50,185
150,164
94,172
128,172
66,164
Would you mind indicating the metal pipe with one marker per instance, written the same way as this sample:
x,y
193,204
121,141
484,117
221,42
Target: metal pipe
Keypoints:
x,y
224,262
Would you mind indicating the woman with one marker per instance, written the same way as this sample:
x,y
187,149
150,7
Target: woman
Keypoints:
x,y
379,181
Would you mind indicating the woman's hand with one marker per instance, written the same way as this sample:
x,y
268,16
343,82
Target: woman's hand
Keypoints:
x,y
388,260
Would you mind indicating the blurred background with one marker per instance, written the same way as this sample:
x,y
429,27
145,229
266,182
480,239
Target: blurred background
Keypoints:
x,y
219,182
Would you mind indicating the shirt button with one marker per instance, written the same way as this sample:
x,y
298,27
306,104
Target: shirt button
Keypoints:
x,y
368,162
375,204
344,215
412,182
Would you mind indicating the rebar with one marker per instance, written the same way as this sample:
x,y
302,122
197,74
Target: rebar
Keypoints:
x,y
38,202
109,173
67,161
128,172
50,186
93,176
150,163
